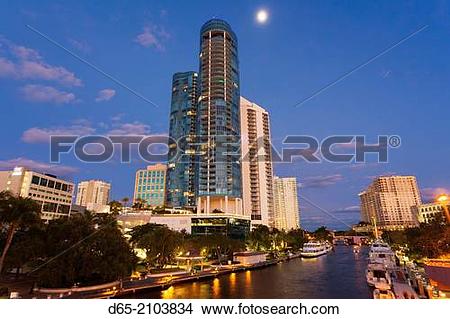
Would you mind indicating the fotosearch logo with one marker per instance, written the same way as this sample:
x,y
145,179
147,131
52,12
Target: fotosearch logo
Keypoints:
x,y
157,148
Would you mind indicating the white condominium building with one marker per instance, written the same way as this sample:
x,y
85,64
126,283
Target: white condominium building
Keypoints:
x,y
94,195
257,172
287,215
53,194
389,201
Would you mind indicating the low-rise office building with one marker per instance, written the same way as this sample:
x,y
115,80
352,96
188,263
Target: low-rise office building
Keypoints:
x,y
54,195
426,213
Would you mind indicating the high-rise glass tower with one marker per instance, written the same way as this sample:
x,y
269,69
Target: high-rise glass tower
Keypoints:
x,y
182,130
219,186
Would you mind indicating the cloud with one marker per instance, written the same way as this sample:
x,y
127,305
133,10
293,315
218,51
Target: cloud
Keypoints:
x,y
105,95
42,71
7,68
46,94
27,64
42,167
80,45
82,127
42,135
153,36
348,209
429,194
321,181
135,128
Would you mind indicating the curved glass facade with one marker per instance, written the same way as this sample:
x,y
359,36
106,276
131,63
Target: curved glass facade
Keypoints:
x,y
182,129
218,118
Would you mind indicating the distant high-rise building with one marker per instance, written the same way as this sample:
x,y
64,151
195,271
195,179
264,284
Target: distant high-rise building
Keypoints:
x,y
94,195
150,185
286,212
219,185
182,131
257,173
53,194
389,200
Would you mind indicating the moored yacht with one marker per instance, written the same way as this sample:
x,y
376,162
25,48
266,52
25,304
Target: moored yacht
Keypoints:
x,y
315,249
378,276
383,294
381,253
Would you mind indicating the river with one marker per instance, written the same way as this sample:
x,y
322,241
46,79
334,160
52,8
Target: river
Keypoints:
x,y
339,274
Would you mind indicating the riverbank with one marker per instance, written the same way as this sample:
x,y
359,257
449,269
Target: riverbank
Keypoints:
x,y
134,286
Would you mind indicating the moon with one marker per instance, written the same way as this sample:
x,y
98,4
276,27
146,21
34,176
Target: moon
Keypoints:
x,y
262,16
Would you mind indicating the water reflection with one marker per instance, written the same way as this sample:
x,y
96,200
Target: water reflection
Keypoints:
x,y
340,274
216,288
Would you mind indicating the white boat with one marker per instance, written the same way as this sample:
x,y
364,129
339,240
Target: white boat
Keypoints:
x,y
381,253
383,294
378,276
315,249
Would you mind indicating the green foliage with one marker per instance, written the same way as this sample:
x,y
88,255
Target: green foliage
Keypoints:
x,y
296,238
159,243
85,249
261,238
214,246
428,240
322,233
16,213
139,203
115,207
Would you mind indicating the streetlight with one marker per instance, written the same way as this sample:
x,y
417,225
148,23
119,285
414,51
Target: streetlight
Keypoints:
x,y
444,200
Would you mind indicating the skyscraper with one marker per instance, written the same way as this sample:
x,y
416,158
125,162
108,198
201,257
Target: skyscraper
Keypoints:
x,y
94,195
257,173
286,213
150,185
182,130
390,200
219,186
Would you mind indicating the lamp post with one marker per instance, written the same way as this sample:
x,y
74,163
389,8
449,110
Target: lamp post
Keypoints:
x,y
444,200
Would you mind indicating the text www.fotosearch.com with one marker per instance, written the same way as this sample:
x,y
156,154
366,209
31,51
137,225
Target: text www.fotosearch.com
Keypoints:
x,y
251,309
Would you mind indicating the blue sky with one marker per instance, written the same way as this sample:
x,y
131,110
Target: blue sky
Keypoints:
x,y
303,46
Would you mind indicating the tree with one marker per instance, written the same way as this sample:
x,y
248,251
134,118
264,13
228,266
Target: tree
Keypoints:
x,y
159,243
214,246
125,201
139,203
430,240
278,239
27,247
296,238
16,212
259,238
85,249
115,207
322,233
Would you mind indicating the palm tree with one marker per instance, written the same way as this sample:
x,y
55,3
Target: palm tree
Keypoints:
x,y
115,207
125,201
139,203
16,212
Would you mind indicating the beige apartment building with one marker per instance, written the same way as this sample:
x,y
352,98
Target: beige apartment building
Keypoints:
x,y
53,194
94,195
257,171
389,201
286,211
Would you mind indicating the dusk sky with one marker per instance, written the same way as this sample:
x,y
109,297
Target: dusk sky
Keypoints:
x,y
303,46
